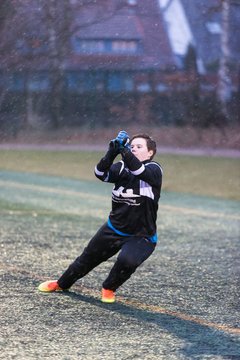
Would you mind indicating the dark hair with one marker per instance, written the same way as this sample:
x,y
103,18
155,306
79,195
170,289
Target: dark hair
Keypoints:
x,y
151,144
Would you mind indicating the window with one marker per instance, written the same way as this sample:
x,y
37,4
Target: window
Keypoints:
x,y
128,83
75,82
88,46
161,87
123,46
91,46
38,82
144,87
214,28
120,82
14,82
132,2
81,82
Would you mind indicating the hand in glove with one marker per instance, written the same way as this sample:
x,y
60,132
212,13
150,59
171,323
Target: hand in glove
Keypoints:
x,y
114,147
122,140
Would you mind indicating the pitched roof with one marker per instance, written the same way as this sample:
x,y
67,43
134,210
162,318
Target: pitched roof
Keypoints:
x,y
143,23
205,22
119,26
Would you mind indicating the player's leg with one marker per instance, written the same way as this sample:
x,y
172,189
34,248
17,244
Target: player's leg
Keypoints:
x,y
133,253
101,247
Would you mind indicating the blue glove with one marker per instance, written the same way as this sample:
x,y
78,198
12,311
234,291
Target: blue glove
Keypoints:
x,y
123,140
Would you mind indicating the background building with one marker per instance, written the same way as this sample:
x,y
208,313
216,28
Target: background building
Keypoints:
x,y
68,62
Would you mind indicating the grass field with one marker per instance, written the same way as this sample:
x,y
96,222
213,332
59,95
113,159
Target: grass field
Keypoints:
x,y
183,303
200,175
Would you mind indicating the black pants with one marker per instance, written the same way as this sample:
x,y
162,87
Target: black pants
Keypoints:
x,y
106,243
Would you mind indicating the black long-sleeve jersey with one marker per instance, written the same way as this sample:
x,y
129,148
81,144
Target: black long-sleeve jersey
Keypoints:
x,y
135,194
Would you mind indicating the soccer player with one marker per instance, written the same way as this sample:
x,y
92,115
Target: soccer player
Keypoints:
x,y
131,226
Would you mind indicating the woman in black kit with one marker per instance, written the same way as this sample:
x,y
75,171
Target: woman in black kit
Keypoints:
x,y
131,226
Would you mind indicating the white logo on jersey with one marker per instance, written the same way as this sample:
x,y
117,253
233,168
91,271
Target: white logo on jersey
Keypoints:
x,y
127,194
146,189
127,197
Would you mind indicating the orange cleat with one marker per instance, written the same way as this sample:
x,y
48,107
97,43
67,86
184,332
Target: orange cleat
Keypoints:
x,y
49,286
108,296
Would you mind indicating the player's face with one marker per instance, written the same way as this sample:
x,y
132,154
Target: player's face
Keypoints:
x,y
140,150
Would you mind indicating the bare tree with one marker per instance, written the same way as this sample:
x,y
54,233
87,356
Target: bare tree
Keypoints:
x,y
58,18
61,25
224,84
6,14
224,80
56,21
6,10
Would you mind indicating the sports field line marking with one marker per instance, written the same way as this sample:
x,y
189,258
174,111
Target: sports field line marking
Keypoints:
x,y
59,191
134,303
161,310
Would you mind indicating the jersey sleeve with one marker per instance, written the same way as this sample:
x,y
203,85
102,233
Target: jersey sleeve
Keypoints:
x,y
102,168
110,174
150,172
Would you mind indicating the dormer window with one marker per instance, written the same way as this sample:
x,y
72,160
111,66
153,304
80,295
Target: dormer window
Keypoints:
x,y
98,46
123,46
132,2
89,46
214,28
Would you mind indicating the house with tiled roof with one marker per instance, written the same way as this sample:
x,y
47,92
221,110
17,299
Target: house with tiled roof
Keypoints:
x,y
205,20
113,46
139,36
199,24
131,41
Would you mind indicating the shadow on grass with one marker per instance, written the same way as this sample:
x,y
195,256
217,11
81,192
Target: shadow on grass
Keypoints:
x,y
200,339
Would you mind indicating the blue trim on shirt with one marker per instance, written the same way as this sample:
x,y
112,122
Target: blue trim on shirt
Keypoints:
x,y
153,238
115,230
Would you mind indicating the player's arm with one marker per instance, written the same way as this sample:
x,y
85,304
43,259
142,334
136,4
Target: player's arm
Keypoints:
x,y
102,168
105,170
150,172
